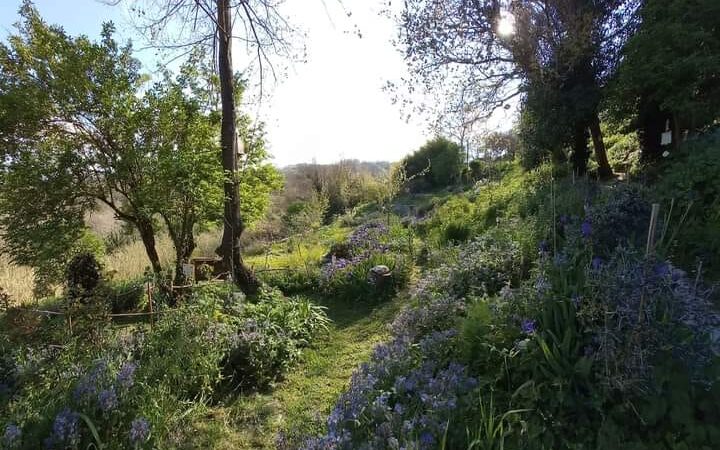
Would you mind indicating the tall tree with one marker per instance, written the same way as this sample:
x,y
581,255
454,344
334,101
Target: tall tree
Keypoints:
x,y
80,125
212,25
493,51
68,102
670,72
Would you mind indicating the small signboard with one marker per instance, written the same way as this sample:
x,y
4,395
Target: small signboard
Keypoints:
x,y
666,138
188,270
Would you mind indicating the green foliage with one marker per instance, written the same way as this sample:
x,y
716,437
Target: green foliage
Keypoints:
x,y
456,232
436,164
51,270
270,339
307,215
670,62
165,375
623,150
258,178
690,178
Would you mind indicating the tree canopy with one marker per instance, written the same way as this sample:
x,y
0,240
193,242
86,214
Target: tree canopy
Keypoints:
x,y
81,126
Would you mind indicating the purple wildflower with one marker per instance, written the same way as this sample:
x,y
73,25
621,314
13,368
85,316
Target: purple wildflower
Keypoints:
x,y
576,299
12,435
65,427
125,376
528,326
586,229
662,269
596,263
139,431
107,399
427,439
544,246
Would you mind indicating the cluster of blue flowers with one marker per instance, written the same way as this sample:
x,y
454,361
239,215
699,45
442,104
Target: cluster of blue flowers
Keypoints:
x,y
139,431
363,242
65,430
12,435
410,389
98,385
401,399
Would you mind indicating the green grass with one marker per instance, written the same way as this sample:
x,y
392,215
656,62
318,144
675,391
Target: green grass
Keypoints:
x,y
300,404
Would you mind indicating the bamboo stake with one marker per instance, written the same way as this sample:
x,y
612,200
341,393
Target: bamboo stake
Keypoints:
x,y
651,231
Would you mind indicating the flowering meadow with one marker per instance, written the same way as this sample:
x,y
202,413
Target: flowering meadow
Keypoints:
x,y
553,325
590,343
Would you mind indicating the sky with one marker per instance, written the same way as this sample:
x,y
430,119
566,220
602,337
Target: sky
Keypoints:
x,y
326,109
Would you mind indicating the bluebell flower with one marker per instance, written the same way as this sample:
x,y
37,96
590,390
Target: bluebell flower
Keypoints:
x,y
596,263
107,399
65,427
139,431
427,439
125,376
586,229
12,435
544,246
542,285
662,269
576,299
528,326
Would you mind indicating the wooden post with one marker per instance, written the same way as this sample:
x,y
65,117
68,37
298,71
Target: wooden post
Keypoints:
x,y
150,304
650,247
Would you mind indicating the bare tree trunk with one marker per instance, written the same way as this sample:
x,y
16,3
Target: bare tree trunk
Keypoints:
x,y
147,234
580,150
604,169
233,225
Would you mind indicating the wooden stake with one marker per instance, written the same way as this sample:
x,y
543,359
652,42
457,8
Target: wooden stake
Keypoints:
x,y
150,305
650,247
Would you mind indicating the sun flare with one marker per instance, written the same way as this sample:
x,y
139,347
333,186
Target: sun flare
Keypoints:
x,y
506,25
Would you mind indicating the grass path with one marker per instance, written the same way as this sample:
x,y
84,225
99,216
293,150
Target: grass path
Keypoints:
x,y
299,404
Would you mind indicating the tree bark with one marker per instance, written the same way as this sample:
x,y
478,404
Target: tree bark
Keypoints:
x,y
604,169
580,150
232,225
147,234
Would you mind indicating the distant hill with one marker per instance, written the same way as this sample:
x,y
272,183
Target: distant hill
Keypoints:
x,y
374,168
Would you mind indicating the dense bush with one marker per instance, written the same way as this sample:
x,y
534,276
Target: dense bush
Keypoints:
x,y
436,164
131,388
690,177
270,337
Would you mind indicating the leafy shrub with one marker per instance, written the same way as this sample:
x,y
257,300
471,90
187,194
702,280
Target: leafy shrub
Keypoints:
x,y
83,274
270,338
185,351
620,217
302,216
293,281
50,271
623,152
481,267
126,296
436,164
131,388
690,178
